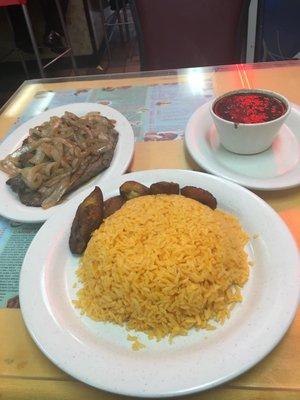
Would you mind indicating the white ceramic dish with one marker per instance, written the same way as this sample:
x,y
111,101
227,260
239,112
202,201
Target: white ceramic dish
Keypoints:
x,y
100,355
249,138
276,168
12,208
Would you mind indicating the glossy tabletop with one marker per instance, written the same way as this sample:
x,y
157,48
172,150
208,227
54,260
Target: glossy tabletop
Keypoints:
x,y
25,373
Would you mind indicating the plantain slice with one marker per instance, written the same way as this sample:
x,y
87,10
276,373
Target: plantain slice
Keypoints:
x,y
132,189
112,205
201,195
88,218
164,188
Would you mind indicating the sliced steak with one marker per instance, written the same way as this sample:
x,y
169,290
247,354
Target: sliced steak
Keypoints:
x,y
31,198
27,196
94,168
16,184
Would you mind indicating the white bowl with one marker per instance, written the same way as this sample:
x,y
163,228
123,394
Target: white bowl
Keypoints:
x,y
244,138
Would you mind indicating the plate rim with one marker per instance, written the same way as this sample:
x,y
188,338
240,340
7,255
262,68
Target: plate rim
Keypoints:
x,y
124,160
268,348
243,180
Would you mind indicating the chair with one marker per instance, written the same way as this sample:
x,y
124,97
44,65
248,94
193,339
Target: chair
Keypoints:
x,y
23,4
116,18
190,33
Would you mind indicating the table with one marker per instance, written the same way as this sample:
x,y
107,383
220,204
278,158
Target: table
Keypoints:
x,y
25,373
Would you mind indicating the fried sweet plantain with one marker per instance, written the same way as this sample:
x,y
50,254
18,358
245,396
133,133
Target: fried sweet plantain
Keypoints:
x,y
201,195
88,218
112,205
132,189
164,188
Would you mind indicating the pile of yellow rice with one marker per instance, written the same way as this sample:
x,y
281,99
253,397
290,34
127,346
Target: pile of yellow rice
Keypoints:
x,y
163,264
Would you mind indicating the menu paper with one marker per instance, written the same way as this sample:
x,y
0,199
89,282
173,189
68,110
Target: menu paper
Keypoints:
x,y
15,239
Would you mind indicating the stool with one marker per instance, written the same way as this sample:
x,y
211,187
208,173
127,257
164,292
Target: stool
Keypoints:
x,y
23,4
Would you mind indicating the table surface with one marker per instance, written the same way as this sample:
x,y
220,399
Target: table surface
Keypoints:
x,y
25,373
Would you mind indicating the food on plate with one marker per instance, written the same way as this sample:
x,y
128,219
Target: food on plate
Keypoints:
x,y
164,188
88,218
249,107
131,189
136,344
201,195
59,156
163,264
111,205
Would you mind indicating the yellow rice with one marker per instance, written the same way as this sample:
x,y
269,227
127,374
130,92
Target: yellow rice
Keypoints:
x,y
162,265
136,344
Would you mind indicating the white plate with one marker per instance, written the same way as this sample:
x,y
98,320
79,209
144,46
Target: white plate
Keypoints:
x,y
12,208
276,168
100,355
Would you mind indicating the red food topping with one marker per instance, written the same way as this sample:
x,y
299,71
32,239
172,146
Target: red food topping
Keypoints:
x,y
249,108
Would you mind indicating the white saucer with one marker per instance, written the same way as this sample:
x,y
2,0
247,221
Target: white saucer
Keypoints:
x,y
276,168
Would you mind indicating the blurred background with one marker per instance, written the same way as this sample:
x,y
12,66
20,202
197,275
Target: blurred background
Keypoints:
x,y
53,38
